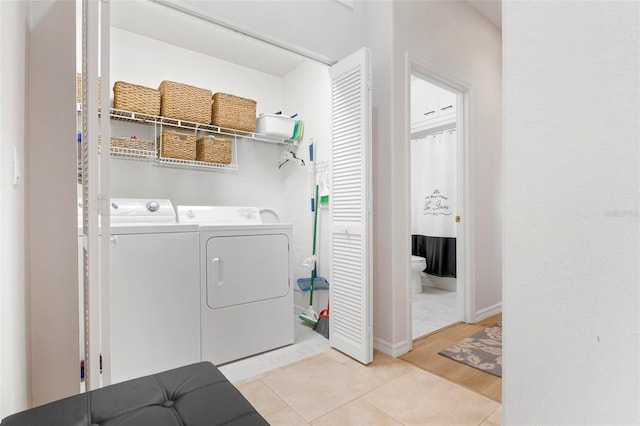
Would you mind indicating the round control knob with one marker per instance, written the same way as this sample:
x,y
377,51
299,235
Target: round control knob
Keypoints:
x,y
153,206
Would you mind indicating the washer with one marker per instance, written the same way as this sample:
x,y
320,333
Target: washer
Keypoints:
x,y
246,280
154,289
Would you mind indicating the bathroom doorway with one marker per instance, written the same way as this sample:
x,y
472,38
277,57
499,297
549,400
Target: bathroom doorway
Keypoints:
x,y
437,199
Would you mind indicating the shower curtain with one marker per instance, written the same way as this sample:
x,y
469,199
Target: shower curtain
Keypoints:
x,y
433,201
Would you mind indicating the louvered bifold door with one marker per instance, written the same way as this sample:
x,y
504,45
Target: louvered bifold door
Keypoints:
x,y
95,192
350,209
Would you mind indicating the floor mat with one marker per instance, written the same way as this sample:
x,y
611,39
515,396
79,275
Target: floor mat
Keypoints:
x,y
482,350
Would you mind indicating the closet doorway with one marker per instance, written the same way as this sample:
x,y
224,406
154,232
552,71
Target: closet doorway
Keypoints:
x,y
438,291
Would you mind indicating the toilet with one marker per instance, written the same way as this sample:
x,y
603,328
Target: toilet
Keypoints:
x,y
418,264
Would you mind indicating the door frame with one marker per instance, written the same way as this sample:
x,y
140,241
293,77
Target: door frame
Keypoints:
x,y
465,279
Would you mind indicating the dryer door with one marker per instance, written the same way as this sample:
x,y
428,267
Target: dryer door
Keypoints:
x,y
246,268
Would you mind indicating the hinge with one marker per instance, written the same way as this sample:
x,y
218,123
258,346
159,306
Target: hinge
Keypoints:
x,y
103,205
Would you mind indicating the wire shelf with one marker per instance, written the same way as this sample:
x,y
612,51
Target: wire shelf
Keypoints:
x,y
155,120
132,154
182,124
195,164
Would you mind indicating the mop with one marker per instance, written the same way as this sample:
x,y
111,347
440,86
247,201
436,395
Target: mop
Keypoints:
x,y
319,283
311,317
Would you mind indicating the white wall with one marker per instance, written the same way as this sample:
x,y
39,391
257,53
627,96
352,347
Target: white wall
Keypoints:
x,y
14,347
458,42
378,25
51,219
379,37
307,91
572,197
258,181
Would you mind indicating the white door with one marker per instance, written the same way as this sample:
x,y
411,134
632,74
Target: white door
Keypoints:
x,y
350,320
154,294
247,296
230,282
95,193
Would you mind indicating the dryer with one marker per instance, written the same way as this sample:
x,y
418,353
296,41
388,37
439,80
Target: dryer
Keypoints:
x,y
246,292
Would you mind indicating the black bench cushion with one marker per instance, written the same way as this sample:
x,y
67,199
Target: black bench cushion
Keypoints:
x,y
194,395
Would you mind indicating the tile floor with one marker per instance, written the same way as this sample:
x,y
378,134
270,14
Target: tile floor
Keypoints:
x,y
309,383
432,310
333,389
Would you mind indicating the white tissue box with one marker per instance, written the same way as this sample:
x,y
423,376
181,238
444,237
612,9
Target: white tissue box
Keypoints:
x,y
275,125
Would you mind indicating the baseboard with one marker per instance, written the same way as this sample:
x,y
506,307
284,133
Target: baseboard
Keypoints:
x,y
488,312
390,349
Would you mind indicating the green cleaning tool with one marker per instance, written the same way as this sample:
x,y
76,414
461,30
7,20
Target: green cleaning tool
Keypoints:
x,y
311,316
324,191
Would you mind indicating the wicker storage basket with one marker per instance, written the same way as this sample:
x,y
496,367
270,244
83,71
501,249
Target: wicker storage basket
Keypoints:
x,y
134,98
177,145
213,150
132,143
233,112
79,88
184,102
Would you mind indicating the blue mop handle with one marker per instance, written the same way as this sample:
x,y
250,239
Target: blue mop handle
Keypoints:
x,y
313,201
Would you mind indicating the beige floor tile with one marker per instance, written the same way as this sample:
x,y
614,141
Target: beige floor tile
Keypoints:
x,y
419,398
285,417
337,355
495,419
383,369
358,412
301,361
301,375
261,397
318,385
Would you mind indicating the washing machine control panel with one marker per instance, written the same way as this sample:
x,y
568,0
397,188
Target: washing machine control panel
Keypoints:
x,y
222,215
140,210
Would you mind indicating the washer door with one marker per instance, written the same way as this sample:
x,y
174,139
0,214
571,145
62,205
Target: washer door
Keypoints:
x,y
155,292
246,268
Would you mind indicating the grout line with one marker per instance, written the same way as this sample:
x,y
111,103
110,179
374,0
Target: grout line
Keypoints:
x,y
492,413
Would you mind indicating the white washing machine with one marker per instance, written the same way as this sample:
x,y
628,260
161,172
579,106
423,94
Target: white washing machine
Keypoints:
x,y
245,282
154,289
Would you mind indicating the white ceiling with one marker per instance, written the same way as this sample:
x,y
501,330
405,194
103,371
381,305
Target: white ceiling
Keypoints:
x,y
190,32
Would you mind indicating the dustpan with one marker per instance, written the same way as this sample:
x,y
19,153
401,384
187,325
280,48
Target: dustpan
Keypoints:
x,y
322,326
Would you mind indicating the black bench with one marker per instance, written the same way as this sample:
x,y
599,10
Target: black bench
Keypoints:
x,y
193,395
